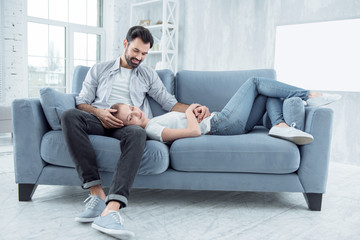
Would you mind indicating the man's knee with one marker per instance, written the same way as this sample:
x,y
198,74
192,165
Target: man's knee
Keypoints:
x,y
69,115
136,133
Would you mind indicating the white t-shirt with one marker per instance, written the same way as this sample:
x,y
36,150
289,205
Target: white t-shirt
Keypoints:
x,y
172,120
120,91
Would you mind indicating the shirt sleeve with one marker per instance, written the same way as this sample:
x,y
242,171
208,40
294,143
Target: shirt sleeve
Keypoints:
x,y
154,131
160,94
88,91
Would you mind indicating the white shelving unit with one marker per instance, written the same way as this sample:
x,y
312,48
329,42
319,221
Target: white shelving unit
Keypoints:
x,y
161,17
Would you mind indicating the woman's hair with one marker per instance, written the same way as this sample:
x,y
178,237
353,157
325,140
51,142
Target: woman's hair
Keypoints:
x,y
143,33
116,106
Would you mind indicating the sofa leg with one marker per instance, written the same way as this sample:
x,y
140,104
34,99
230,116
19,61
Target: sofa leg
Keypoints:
x,y
26,191
313,200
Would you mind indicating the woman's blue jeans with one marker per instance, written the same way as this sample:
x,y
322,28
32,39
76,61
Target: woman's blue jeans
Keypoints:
x,y
247,106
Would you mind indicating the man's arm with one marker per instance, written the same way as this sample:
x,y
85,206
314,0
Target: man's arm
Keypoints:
x,y
160,94
104,115
180,107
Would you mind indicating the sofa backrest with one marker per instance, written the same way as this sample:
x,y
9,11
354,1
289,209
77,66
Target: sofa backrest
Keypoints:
x,y
166,76
213,88
210,88
78,78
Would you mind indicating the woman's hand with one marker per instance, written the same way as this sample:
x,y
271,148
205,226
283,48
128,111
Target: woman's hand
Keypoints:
x,y
191,108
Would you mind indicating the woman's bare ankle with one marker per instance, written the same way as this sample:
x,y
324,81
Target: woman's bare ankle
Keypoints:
x,y
282,124
314,94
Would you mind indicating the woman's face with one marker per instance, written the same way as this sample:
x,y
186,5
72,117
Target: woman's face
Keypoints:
x,y
131,115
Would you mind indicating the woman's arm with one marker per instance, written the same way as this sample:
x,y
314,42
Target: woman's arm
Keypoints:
x,y
192,130
201,112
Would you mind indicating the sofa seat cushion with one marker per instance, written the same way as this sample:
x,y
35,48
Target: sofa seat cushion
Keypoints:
x,y
255,152
155,159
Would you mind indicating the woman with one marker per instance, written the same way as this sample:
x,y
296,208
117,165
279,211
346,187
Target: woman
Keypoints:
x,y
233,118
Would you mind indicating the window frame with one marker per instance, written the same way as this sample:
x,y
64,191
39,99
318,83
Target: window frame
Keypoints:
x,y
70,29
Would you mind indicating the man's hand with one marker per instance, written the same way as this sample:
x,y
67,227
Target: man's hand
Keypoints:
x,y
107,119
201,112
191,108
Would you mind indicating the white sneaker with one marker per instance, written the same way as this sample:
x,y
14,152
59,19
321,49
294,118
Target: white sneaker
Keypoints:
x,y
325,99
94,206
291,134
112,224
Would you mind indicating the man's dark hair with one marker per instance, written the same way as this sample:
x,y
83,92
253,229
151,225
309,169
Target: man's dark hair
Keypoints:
x,y
143,33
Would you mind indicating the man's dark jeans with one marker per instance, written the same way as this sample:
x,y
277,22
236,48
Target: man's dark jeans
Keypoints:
x,y
77,125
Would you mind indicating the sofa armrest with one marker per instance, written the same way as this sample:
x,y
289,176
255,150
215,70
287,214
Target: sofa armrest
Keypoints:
x,y
29,126
315,156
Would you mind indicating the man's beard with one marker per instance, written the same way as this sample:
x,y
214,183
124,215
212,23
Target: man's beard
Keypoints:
x,y
129,60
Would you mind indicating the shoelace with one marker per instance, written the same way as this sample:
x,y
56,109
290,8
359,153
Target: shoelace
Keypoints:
x,y
293,124
91,201
117,217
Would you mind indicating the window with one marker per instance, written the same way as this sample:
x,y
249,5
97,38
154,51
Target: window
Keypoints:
x,y
319,56
61,35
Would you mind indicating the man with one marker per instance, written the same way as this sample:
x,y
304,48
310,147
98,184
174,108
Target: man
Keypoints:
x,y
122,80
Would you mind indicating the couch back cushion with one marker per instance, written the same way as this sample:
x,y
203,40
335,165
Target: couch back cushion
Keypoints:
x,y
213,89
79,75
166,76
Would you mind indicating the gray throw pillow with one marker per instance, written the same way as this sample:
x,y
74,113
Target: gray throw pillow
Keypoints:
x,y
54,103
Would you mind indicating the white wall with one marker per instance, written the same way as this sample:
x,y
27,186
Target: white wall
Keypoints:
x,y
225,35
116,22
1,50
15,84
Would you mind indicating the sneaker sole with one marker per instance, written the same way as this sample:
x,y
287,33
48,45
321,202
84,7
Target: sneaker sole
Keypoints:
x,y
84,220
324,103
296,140
120,234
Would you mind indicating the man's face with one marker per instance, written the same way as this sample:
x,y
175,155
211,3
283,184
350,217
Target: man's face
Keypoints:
x,y
135,51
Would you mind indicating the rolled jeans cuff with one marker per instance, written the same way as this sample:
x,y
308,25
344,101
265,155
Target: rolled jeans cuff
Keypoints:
x,y
91,184
119,198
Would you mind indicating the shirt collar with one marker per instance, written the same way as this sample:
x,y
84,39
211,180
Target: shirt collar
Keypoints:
x,y
116,66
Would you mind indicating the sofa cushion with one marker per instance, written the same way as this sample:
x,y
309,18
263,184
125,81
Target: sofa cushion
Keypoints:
x,y
54,103
255,152
54,151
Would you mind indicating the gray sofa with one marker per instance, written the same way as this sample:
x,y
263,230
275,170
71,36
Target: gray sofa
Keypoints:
x,y
250,162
